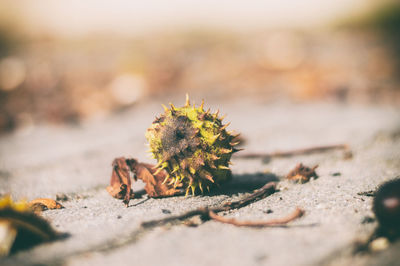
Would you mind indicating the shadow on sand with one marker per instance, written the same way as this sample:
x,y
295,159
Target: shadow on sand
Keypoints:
x,y
244,183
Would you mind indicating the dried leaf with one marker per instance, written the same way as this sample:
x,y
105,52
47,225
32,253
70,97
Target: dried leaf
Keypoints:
x,y
42,204
302,173
120,184
20,228
154,183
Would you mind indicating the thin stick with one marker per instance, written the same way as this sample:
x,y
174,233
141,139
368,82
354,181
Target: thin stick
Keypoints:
x,y
316,149
261,193
275,222
257,195
186,215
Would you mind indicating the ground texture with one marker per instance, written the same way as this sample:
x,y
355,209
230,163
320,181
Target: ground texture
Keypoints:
x,y
76,161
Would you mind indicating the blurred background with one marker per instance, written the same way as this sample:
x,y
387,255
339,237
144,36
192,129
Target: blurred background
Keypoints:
x,y
70,61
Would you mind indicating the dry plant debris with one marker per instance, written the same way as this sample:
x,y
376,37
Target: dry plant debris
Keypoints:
x,y
20,228
347,154
121,185
258,194
42,204
302,173
369,193
193,146
271,223
193,150
211,212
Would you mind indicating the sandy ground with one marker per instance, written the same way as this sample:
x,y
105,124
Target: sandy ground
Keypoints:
x,y
47,160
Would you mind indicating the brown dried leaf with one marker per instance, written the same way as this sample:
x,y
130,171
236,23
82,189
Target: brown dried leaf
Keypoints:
x,y
302,173
154,183
42,204
120,184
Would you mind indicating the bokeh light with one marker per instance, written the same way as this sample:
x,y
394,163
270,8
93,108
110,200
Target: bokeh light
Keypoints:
x,y
66,62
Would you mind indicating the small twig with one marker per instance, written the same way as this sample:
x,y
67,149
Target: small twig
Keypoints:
x,y
186,215
258,194
276,222
277,154
370,193
261,193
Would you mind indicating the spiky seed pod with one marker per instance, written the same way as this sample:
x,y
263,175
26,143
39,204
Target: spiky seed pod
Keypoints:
x,y
193,146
